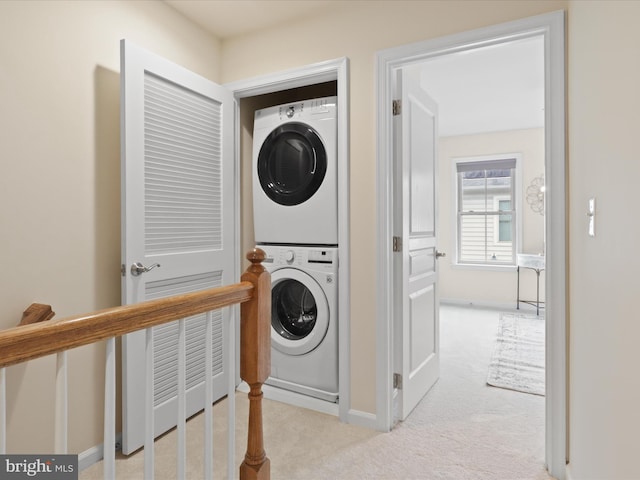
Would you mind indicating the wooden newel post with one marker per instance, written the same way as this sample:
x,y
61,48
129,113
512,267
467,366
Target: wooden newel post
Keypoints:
x,y
255,362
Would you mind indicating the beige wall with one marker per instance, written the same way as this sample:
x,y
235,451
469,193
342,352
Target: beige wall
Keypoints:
x,y
488,286
60,182
358,30
59,186
604,120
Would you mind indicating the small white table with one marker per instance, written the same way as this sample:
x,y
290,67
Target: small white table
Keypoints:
x,y
533,262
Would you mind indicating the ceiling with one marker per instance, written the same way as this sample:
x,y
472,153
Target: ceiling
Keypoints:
x,y
229,18
486,89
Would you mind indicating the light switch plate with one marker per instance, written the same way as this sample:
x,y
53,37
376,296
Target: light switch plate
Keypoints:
x,y
592,217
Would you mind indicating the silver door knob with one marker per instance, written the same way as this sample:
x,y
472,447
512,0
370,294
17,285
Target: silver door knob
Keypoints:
x,y
440,254
138,269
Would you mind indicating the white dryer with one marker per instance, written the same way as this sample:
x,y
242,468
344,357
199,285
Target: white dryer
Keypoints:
x,y
295,190
304,323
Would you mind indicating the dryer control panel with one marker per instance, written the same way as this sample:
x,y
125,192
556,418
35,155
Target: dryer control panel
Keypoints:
x,y
290,111
302,110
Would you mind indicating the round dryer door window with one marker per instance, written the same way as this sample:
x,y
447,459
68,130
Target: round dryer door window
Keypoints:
x,y
299,312
292,164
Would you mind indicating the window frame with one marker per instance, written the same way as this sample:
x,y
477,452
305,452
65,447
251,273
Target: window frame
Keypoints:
x,y
517,211
496,221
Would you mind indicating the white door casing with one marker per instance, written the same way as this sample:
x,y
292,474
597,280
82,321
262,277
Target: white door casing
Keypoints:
x,y
551,25
178,212
416,329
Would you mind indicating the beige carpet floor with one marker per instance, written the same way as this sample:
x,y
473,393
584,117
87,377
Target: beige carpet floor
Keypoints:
x,y
463,429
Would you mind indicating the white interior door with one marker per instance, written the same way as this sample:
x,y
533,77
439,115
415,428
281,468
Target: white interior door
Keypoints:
x,y
416,329
177,212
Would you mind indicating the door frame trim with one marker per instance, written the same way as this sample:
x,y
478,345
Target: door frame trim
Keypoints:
x,y
330,70
552,27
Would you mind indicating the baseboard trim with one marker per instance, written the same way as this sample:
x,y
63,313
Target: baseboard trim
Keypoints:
x,y
508,307
95,454
567,473
362,419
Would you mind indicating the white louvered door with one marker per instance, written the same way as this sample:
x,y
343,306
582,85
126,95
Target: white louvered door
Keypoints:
x,y
177,211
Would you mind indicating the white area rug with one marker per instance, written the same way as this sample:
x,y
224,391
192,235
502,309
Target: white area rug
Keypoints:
x,y
518,359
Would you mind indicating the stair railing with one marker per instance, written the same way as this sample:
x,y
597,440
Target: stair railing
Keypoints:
x,y
253,293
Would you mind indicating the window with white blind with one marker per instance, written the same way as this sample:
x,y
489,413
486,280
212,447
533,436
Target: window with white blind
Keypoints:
x,y
487,210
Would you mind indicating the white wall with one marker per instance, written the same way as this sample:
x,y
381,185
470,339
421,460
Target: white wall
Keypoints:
x,y
604,162
462,284
60,182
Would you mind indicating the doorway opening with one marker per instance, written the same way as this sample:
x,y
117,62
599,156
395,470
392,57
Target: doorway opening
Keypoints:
x,y
550,29
491,218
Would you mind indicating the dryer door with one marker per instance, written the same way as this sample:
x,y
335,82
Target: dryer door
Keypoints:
x,y
299,312
292,163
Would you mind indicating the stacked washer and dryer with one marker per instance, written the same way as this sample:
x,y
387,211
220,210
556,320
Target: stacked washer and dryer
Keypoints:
x,y
295,208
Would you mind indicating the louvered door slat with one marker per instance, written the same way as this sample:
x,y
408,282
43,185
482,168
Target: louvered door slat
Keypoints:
x,y
165,339
179,125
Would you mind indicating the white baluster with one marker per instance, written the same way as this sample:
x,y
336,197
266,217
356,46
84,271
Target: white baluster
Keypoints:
x,y
61,407
148,414
230,341
182,410
109,446
3,412
208,399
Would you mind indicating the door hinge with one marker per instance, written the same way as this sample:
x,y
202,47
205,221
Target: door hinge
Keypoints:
x,y
397,381
397,107
397,244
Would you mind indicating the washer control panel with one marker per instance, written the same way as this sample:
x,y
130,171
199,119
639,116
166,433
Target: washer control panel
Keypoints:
x,y
311,257
321,256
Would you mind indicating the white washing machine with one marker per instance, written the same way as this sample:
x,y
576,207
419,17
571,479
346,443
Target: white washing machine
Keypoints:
x,y
304,323
295,189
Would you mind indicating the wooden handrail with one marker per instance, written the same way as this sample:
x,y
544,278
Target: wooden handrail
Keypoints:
x,y
27,342
35,313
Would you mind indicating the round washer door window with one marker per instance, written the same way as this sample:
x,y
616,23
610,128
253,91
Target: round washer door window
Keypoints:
x,y
292,163
299,312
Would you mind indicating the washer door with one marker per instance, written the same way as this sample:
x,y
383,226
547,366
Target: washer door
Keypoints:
x,y
299,312
292,164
